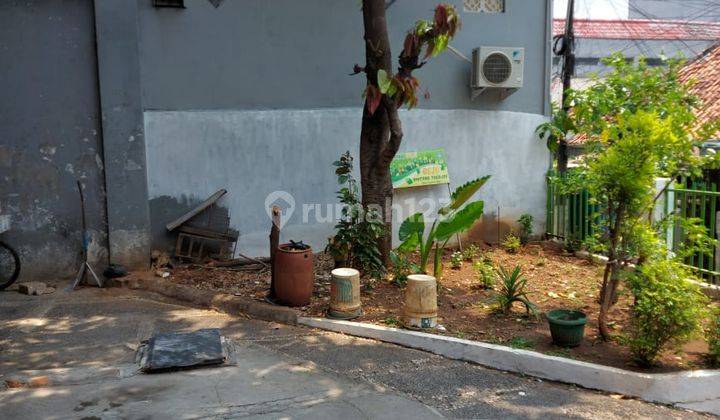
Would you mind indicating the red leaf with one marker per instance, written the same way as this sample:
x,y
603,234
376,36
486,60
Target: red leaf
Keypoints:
x,y
411,45
441,17
373,98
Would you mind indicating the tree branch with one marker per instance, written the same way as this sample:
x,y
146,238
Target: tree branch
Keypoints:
x,y
357,69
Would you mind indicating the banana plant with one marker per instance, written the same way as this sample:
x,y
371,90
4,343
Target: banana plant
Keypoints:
x,y
454,218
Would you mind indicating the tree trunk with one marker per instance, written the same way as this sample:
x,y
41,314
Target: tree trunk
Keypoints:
x,y
381,131
611,278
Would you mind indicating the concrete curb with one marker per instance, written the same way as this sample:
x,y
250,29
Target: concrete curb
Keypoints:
x,y
232,305
693,389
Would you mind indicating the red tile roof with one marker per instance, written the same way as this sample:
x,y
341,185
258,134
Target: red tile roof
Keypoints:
x,y
642,29
704,72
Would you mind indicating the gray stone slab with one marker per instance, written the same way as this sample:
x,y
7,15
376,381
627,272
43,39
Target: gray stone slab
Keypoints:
x,y
183,350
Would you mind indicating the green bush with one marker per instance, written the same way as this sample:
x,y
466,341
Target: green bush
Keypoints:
x,y
359,229
713,338
471,252
511,244
526,230
402,267
485,273
456,217
668,309
456,260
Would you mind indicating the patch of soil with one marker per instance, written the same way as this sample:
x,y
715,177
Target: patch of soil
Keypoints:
x,y
555,280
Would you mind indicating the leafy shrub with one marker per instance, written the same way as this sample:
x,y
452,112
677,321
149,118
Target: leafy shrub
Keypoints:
x,y
667,311
456,217
402,267
511,244
713,338
511,290
355,241
471,252
485,273
526,230
456,260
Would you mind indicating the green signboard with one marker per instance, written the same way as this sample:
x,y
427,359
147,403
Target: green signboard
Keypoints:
x,y
415,169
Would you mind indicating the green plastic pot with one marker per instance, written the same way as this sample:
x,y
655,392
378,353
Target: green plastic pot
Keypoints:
x,y
567,327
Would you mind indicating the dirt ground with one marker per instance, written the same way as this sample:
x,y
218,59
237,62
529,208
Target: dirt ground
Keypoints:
x,y
555,280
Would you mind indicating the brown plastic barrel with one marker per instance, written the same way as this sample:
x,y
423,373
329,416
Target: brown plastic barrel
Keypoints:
x,y
294,276
421,301
345,294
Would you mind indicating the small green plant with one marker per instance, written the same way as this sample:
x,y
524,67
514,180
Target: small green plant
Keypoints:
x,y
471,252
512,289
485,273
667,311
521,343
713,338
561,353
402,267
392,321
526,230
358,231
511,244
456,260
541,262
452,219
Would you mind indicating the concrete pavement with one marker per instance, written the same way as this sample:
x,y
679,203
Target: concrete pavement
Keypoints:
x,y
84,342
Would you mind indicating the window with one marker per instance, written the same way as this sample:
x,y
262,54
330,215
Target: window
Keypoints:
x,y
484,6
169,3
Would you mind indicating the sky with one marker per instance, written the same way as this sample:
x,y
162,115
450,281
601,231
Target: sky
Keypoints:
x,y
594,9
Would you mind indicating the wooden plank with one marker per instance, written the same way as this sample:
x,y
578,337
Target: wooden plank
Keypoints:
x,y
230,237
194,212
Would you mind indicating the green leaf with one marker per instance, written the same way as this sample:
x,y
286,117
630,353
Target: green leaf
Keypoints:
x,y
410,244
412,226
460,221
463,194
384,82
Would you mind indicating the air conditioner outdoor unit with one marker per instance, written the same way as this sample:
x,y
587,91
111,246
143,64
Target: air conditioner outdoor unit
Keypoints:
x,y
497,68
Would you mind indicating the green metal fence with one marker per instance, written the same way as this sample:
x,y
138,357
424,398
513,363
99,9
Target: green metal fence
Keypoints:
x,y
573,217
696,200
570,216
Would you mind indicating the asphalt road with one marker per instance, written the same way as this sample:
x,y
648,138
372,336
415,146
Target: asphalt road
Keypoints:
x,y
84,343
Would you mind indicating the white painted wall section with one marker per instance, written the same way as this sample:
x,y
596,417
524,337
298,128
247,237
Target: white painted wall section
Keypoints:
x,y
192,154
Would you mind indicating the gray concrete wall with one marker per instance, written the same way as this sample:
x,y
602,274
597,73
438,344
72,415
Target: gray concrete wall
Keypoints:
x,y
122,127
286,54
255,97
50,134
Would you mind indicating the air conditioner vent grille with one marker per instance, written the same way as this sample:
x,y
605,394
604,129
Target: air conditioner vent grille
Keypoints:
x,y
497,68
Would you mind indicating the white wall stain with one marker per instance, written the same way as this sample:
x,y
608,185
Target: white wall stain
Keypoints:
x,y
48,150
131,165
99,162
